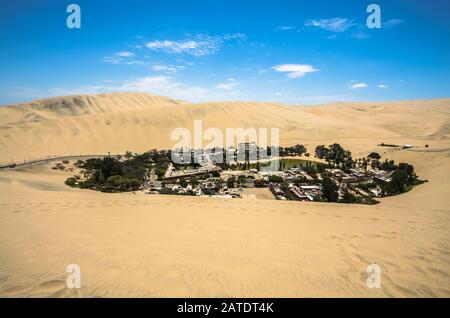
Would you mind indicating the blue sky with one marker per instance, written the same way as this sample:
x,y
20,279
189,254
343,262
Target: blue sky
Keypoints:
x,y
296,52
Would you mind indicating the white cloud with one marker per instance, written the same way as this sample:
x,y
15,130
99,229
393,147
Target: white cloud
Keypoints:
x,y
176,47
294,70
285,28
134,62
157,85
121,60
295,99
229,85
392,23
383,86
333,25
111,60
125,54
167,68
341,25
226,86
358,85
164,85
200,45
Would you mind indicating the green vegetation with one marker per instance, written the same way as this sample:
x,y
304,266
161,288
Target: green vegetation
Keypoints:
x,y
113,175
296,150
174,192
160,162
59,166
348,197
388,165
231,181
367,186
374,155
330,189
275,179
403,179
400,178
336,156
186,166
194,181
72,181
300,181
349,181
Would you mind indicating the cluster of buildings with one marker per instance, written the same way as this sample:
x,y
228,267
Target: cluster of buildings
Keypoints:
x,y
208,186
244,152
357,181
173,174
299,193
206,178
211,180
361,182
309,190
208,181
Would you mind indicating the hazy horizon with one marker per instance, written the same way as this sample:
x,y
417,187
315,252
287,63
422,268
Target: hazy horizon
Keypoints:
x,y
235,101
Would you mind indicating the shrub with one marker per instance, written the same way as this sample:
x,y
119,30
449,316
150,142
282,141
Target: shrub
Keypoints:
x,y
231,182
276,179
330,189
183,183
374,155
87,184
215,174
72,181
115,181
299,180
348,197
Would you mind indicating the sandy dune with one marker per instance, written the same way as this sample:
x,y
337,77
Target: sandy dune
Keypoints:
x,y
157,246
123,121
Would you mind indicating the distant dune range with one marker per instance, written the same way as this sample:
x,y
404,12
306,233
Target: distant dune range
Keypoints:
x,y
137,121
150,245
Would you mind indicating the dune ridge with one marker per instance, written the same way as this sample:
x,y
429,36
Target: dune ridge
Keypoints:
x,y
138,121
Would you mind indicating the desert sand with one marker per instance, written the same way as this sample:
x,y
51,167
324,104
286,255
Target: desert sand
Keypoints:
x,y
161,246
